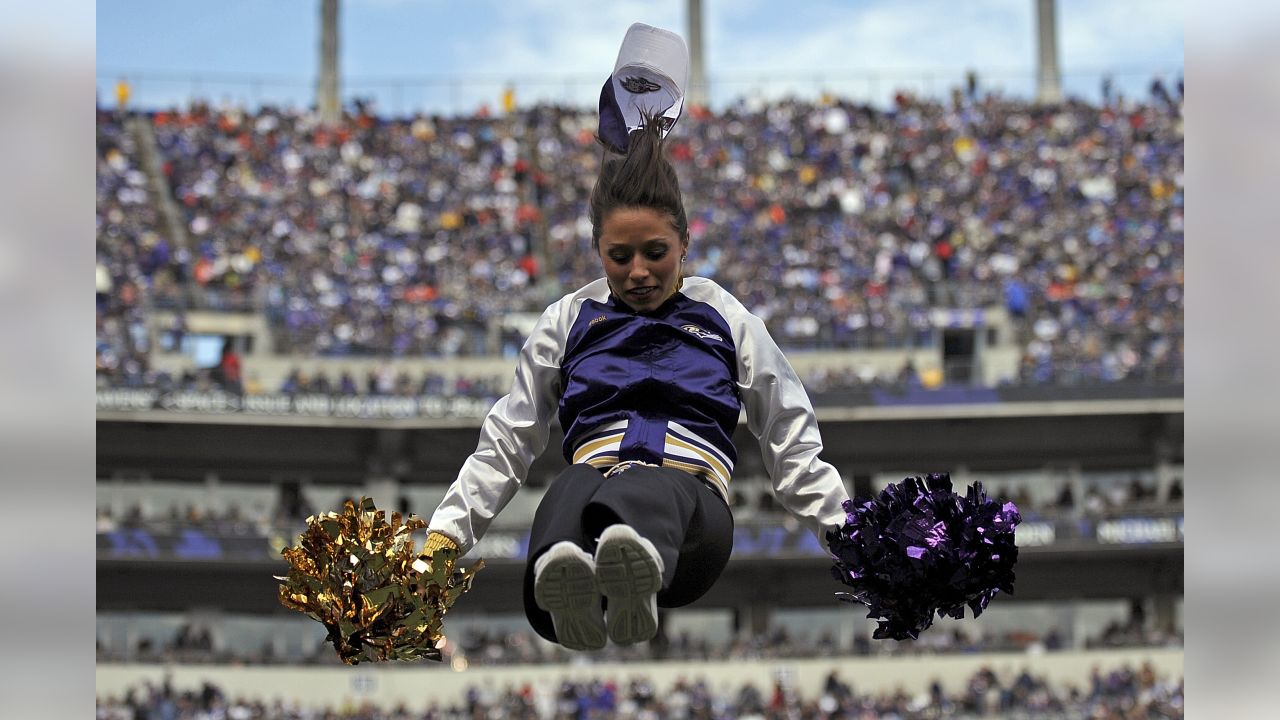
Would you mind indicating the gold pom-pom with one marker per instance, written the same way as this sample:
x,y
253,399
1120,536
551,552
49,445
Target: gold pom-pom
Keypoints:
x,y
363,579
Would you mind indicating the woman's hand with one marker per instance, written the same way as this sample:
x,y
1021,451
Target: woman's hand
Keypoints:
x,y
437,541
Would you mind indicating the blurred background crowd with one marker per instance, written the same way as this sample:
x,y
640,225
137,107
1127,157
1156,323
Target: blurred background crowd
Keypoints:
x,y
481,646
1039,496
844,226
1115,693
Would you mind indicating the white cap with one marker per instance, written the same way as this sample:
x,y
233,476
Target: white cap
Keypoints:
x,y
648,78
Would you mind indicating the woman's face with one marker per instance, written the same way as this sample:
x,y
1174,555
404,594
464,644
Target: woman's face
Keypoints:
x,y
641,252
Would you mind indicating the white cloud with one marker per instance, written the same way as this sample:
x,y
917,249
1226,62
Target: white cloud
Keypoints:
x,y
867,49
873,47
563,49
869,36
549,37
1098,33
559,50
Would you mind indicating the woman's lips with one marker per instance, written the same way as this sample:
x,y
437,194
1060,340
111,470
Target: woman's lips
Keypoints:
x,y
641,292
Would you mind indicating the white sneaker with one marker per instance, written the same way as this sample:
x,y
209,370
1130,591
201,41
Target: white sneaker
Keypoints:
x,y
629,574
564,585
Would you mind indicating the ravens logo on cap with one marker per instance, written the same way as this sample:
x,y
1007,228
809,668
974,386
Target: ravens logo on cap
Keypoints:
x,y
639,85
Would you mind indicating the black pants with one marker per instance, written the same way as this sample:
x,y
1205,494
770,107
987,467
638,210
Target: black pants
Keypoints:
x,y
682,516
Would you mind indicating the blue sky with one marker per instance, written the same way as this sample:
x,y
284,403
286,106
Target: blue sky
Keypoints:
x,y
452,56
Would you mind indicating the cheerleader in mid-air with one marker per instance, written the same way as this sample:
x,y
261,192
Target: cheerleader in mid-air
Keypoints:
x,y
647,370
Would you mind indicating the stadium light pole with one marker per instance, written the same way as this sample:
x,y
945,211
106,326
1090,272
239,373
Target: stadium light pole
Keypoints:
x,y
697,72
1048,76
327,93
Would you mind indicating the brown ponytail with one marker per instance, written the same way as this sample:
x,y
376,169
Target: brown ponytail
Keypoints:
x,y
641,178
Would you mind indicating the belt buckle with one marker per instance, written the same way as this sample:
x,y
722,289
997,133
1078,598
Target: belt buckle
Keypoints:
x,y
625,465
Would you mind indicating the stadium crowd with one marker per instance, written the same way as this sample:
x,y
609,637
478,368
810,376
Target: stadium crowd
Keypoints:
x,y
190,645
841,225
1117,694
752,501
132,254
382,381
377,382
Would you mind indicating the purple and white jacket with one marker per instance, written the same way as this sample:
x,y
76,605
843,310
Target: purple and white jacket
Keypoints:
x,y
665,387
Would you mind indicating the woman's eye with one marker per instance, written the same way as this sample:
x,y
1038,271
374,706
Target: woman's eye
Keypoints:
x,y
656,254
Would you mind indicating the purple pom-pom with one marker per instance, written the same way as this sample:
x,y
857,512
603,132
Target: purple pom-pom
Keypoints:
x,y
921,549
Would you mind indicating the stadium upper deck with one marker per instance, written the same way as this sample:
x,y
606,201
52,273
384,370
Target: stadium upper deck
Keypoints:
x,y
844,226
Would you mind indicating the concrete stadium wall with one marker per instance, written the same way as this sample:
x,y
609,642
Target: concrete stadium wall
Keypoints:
x,y
417,687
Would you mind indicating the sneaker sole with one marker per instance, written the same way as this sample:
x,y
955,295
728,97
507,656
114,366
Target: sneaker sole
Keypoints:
x,y
566,589
629,577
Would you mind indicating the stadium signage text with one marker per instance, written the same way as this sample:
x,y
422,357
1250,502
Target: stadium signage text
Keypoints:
x,y
749,542
368,407
1036,534
1138,531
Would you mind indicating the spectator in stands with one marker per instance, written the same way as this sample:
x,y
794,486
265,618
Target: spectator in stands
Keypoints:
x,y
292,503
295,382
253,385
403,384
643,507
1140,492
1066,501
347,384
908,378
1022,497
1095,503
229,371
320,383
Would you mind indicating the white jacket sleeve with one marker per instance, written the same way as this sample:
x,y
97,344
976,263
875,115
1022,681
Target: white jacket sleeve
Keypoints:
x,y
781,417
512,436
